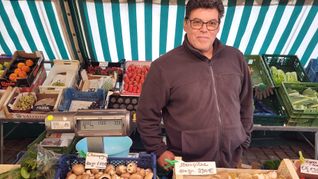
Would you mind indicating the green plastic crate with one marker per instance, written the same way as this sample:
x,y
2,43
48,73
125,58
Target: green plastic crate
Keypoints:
x,y
259,72
273,104
301,122
62,150
287,63
303,116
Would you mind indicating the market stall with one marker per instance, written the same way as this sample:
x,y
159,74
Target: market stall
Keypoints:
x,y
105,49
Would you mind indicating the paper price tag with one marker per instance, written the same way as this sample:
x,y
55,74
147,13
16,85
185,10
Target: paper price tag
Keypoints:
x,y
195,168
103,64
61,124
309,167
96,160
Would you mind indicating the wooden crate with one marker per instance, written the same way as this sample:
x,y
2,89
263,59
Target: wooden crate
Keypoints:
x,y
286,169
67,67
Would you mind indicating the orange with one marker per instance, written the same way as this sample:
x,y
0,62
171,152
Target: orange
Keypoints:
x,y
29,62
13,77
20,65
22,74
25,69
17,71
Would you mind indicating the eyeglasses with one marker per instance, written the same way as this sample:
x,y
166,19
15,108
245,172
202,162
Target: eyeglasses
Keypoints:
x,y
198,23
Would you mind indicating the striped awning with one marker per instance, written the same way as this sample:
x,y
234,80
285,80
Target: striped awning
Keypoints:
x,y
31,26
143,30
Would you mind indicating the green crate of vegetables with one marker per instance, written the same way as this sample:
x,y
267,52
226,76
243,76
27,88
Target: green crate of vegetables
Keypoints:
x,y
259,73
300,100
285,68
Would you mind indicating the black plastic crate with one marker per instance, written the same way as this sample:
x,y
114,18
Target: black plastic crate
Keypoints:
x,y
287,63
123,102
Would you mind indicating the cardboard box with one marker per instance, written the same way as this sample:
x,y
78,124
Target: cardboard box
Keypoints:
x,y
29,114
3,97
18,57
64,72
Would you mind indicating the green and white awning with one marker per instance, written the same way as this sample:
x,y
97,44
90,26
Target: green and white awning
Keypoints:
x,y
143,30
30,26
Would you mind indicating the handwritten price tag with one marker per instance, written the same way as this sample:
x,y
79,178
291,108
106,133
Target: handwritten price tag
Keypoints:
x,y
309,167
96,160
195,168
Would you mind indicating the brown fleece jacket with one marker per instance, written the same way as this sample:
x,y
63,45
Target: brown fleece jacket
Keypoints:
x,y
206,105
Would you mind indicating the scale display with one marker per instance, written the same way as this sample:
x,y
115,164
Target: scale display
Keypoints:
x,y
93,125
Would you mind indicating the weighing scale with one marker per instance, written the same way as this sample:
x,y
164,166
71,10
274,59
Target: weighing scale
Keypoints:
x,y
93,124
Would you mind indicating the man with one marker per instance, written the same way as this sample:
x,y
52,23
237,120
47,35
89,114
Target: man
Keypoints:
x,y
202,90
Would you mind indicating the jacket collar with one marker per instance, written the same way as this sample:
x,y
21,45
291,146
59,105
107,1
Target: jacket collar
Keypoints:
x,y
217,47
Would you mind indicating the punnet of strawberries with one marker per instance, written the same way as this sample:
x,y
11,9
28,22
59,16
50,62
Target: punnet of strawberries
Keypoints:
x,y
134,78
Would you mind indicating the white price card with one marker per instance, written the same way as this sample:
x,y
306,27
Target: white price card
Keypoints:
x,y
96,160
103,64
309,167
61,125
195,168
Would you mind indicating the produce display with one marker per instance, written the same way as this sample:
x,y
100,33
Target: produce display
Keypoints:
x,y
134,78
280,76
306,99
131,171
20,69
25,102
229,175
3,67
108,71
123,102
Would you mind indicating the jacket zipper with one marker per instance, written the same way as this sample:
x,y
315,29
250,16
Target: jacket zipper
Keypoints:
x,y
217,104
215,93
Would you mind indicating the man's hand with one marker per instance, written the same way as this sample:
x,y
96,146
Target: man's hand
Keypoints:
x,y
166,155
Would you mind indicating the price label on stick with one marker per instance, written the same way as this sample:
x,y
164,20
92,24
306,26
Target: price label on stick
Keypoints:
x,y
309,167
195,168
96,160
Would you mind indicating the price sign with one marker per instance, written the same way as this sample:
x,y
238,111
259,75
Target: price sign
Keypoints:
x,y
103,64
96,160
195,168
309,167
61,125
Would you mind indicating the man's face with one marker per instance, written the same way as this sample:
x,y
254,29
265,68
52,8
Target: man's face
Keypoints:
x,y
202,38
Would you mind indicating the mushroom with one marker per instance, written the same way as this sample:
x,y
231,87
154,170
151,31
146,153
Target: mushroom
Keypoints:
x,y
125,175
78,169
148,170
141,172
79,177
135,176
69,173
116,176
71,176
110,169
105,176
121,169
94,171
85,176
149,175
98,175
88,172
132,168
